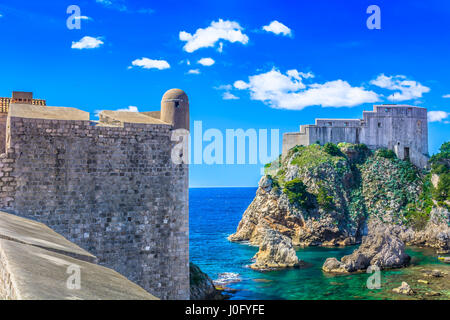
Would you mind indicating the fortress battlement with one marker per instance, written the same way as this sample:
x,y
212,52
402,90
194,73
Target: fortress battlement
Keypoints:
x,y
109,185
401,128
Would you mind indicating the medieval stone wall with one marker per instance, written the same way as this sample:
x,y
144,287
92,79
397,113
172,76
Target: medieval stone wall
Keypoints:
x,y
3,118
114,191
402,129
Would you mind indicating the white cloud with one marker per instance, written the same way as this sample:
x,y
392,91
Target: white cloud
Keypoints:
x,y
446,96
129,109
1,16
206,62
83,18
287,91
241,85
218,30
229,96
87,43
113,4
437,116
278,28
220,48
405,89
227,87
120,5
298,75
194,71
147,63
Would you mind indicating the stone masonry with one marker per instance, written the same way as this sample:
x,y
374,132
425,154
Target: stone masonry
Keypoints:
x,y
401,128
111,189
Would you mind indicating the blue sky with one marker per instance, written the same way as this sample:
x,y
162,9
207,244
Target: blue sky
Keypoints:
x,y
317,60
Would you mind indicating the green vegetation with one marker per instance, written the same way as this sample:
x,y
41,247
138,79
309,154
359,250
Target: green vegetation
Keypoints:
x,y
444,153
324,200
442,192
196,276
416,219
440,165
297,193
315,155
386,153
366,182
275,183
332,149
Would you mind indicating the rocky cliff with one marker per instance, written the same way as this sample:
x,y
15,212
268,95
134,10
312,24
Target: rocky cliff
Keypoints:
x,y
275,251
329,195
381,247
201,285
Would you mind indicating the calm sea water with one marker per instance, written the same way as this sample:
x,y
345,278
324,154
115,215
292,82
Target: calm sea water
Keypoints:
x,y
215,214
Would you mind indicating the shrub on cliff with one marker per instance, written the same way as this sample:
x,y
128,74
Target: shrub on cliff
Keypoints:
x,y
444,153
324,200
332,149
442,191
386,153
314,156
297,193
440,165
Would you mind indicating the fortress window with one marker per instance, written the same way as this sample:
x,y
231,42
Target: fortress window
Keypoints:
x,y
345,124
330,123
379,124
386,110
177,104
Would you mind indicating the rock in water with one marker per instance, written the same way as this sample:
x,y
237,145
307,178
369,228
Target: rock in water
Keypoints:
x,y
333,265
202,287
275,252
404,289
380,248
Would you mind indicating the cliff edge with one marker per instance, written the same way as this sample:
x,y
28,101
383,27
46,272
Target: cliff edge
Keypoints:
x,y
330,195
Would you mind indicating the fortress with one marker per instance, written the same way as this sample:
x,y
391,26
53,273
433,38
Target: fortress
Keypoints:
x,y
401,128
110,186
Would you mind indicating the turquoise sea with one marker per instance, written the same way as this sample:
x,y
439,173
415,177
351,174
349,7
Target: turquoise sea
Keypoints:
x,y
215,214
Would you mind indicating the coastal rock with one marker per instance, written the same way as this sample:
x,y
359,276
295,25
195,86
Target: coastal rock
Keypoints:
x,y
305,226
334,265
433,273
327,196
436,233
404,289
201,285
275,252
381,247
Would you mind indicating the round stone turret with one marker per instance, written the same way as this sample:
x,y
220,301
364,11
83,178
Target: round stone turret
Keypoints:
x,y
175,108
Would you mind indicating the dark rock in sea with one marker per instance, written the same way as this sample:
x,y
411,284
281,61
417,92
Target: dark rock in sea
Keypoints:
x,y
318,198
202,287
380,248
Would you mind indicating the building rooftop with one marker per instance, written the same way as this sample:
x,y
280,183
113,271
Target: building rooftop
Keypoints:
x,y
129,117
45,112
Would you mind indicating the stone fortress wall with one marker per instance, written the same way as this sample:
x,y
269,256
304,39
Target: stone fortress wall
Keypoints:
x,y
108,186
401,128
36,263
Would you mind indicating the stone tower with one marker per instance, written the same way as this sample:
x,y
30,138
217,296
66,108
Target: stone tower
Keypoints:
x,y
110,186
175,109
401,128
